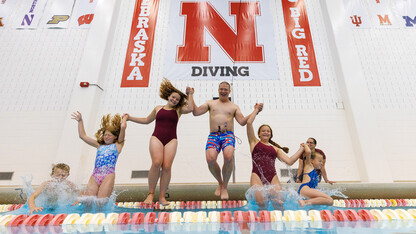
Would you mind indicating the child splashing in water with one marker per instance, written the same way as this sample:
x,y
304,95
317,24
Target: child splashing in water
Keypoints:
x,y
54,191
109,142
310,180
264,181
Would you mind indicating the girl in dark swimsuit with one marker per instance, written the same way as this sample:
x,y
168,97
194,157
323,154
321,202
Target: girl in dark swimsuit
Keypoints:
x,y
264,152
163,143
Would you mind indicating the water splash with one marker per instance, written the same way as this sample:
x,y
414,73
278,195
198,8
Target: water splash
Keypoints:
x,y
59,196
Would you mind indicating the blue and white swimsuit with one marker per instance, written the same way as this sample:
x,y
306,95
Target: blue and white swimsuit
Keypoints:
x,y
105,162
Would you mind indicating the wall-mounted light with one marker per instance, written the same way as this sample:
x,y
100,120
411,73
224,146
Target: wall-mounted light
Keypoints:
x,y
87,84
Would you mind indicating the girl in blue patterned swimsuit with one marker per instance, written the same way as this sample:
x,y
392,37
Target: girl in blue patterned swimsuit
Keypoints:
x,y
109,142
310,180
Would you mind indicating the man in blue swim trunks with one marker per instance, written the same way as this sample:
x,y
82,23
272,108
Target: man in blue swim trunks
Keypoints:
x,y
221,120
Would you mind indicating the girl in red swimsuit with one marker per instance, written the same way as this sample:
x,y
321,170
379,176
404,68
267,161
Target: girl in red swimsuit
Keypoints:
x,y
264,152
163,143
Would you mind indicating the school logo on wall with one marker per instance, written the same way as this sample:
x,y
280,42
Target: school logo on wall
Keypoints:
x,y
59,14
221,40
83,13
381,13
31,13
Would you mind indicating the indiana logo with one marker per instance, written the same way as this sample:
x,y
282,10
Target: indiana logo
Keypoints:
x,y
355,19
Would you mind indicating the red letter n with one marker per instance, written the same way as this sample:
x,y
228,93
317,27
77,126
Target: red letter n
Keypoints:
x,y
239,46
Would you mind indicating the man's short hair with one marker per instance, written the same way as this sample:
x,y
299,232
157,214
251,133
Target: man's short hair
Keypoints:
x,y
225,82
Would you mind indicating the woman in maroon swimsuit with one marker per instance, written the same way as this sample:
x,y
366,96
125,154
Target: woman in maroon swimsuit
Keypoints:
x,y
163,143
264,153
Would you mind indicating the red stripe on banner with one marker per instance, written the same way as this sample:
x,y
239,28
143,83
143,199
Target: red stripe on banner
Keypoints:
x,y
302,54
139,51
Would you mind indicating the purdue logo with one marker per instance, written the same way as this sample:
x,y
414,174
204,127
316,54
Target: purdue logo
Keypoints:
x,y
56,19
202,16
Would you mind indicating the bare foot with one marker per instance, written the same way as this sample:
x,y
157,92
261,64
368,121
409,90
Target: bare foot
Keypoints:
x,y
224,194
149,198
163,202
302,203
218,191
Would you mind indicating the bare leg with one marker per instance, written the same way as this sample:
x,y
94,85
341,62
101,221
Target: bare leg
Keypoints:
x,y
214,168
156,153
227,169
168,156
106,187
275,194
315,197
256,181
92,187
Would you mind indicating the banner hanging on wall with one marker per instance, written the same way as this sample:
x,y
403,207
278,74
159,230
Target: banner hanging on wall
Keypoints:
x,y
6,7
406,9
30,14
140,48
83,13
218,39
299,39
381,13
359,17
59,14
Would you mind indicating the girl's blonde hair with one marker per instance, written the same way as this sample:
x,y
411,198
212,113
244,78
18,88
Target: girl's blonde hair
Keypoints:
x,y
61,166
285,149
111,124
166,89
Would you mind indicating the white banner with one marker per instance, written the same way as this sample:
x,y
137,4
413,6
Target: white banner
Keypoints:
x,y
83,14
382,15
30,13
357,14
204,42
406,10
6,9
59,14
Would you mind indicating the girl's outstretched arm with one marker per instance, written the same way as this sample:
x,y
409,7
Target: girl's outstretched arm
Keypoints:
x,y
239,117
190,106
147,120
122,135
300,171
292,159
307,154
252,139
81,131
